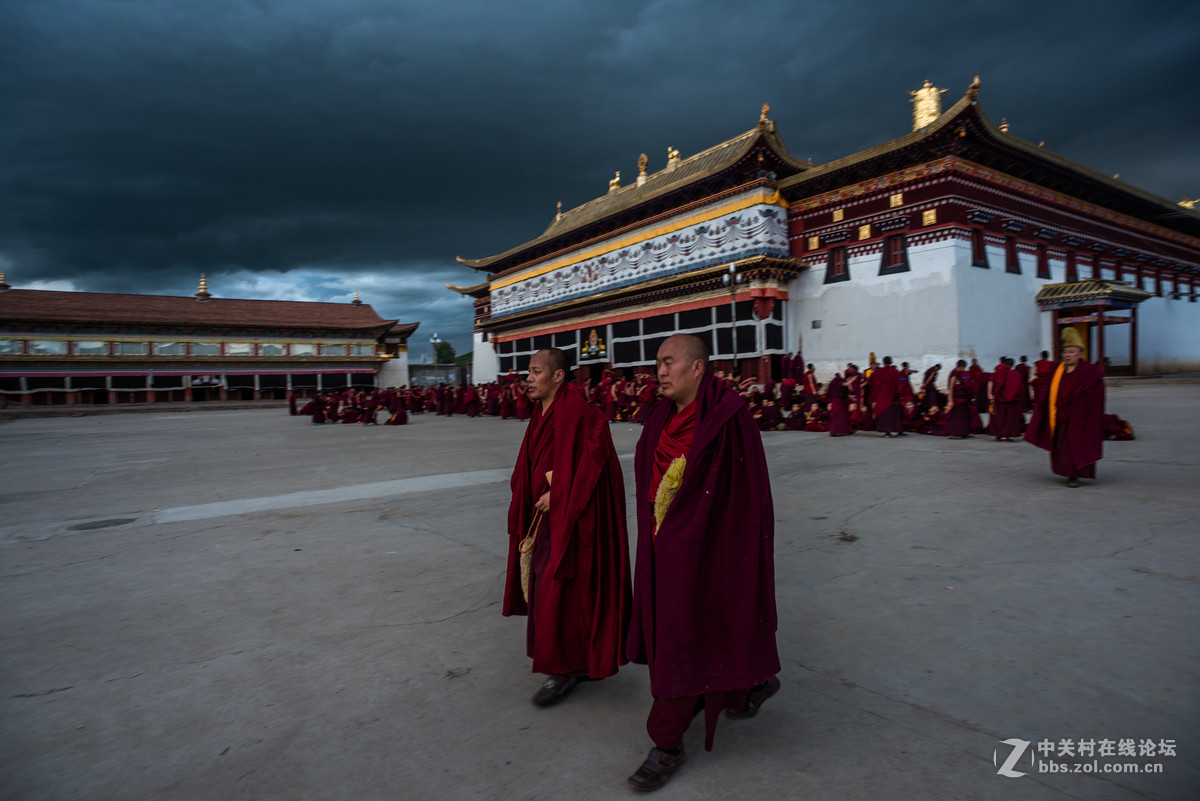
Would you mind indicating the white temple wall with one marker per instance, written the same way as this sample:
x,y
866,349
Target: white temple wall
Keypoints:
x,y
998,313
485,365
909,316
1168,336
394,372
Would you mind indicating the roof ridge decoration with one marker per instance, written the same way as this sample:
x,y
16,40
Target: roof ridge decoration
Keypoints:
x,y
677,174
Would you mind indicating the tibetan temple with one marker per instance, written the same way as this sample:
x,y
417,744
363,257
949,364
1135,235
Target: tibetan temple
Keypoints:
x,y
957,240
93,347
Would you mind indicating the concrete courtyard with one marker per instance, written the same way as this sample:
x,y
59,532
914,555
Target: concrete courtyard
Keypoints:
x,y
241,605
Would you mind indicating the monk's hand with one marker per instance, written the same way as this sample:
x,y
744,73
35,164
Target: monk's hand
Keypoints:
x,y
543,503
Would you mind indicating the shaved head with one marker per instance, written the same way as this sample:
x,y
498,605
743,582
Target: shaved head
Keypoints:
x,y
556,358
694,348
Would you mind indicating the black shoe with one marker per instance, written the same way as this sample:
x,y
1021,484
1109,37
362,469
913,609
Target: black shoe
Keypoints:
x,y
554,689
755,699
658,769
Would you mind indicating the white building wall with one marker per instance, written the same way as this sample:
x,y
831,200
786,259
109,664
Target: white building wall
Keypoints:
x,y
909,316
1168,336
998,313
485,365
394,372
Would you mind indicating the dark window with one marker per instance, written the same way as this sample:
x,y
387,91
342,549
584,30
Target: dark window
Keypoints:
x,y
12,384
304,381
523,345
1072,274
239,382
745,310
37,382
564,339
724,341
895,255
625,328
624,352
522,363
978,249
723,314
362,380
839,268
165,381
333,381
774,337
650,347
541,341
746,339
1043,262
506,363
125,382
87,382
662,324
777,310
695,318
271,382
1012,264
506,346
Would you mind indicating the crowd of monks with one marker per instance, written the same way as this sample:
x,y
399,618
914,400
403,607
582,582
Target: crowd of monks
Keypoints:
x,y
883,398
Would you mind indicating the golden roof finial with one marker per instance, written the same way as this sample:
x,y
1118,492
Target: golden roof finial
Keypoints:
x,y
558,214
615,183
927,105
1004,124
203,294
3,284
672,157
643,162
766,109
1186,203
356,301
973,89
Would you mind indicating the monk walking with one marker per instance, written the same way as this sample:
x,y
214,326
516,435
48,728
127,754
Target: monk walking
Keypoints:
x,y
704,617
1068,420
568,515
884,387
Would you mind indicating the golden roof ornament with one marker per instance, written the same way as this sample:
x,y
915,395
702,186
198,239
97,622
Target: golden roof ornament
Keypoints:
x,y
1004,125
356,301
4,285
973,89
672,157
927,105
203,294
764,122
643,162
615,183
1187,203
558,214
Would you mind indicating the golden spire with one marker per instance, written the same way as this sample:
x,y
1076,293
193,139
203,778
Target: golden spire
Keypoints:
x,y
1004,124
973,89
356,301
558,215
615,183
203,294
4,285
927,105
672,157
1187,203
643,161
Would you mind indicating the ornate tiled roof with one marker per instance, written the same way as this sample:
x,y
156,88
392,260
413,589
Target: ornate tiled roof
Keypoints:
x,y
1075,293
100,307
672,177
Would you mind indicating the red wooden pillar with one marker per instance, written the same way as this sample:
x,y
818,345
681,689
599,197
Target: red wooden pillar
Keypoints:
x,y
1133,360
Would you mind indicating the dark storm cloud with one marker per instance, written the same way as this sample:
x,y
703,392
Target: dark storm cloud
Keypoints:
x,y
305,149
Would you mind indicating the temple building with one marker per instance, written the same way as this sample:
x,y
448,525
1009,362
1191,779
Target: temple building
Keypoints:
x,y
956,240
95,348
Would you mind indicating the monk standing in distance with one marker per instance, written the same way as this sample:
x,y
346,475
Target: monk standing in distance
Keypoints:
x,y
704,617
568,494
1068,420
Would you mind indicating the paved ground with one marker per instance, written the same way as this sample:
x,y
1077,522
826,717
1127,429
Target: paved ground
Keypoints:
x,y
284,611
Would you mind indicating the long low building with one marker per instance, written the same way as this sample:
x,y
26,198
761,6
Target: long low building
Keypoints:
x,y
956,240
93,347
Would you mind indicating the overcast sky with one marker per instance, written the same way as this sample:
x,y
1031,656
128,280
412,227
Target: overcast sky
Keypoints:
x,y
303,149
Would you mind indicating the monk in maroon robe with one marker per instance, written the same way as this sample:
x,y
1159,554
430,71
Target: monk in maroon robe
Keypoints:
x,y
1024,371
1043,371
1069,419
1006,420
568,494
961,392
838,399
884,385
471,400
704,616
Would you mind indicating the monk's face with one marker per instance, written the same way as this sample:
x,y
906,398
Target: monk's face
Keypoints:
x,y
542,382
1071,355
678,374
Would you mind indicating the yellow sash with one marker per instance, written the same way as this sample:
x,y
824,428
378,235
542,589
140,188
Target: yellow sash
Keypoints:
x,y
1052,400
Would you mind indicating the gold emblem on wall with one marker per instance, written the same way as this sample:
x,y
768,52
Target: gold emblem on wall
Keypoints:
x,y
896,200
864,232
929,217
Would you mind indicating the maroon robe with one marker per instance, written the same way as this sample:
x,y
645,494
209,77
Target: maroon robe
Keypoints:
x,y
1006,420
962,392
1077,441
884,385
704,617
1023,403
838,398
1043,371
580,595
